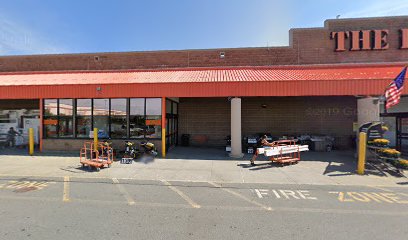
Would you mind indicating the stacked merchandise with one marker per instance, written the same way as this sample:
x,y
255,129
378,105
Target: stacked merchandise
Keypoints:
x,y
317,143
228,143
273,151
250,143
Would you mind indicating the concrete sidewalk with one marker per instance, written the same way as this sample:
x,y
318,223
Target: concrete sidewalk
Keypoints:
x,y
204,165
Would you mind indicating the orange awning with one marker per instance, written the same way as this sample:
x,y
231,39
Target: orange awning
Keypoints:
x,y
316,80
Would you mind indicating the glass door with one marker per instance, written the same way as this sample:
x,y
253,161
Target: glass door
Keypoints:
x,y
171,124
402,135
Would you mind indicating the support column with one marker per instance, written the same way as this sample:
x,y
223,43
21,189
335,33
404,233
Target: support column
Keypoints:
x,y
236,135
368,110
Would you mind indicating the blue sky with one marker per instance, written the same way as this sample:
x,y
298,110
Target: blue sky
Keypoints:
x,y
73,26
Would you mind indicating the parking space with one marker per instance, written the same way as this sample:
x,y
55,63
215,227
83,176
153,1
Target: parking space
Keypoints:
x,y
206,194
153,192
100,189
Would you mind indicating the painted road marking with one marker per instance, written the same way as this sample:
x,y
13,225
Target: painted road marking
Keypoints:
x,y
182,195
92,202
287,194
365,197
381,188
241,196
123,191
24,186
65,194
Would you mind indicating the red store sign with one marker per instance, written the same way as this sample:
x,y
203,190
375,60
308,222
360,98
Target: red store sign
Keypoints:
x,y
367,40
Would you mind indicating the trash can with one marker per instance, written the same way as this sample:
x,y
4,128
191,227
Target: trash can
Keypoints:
x,y
319,145
322,144
185,140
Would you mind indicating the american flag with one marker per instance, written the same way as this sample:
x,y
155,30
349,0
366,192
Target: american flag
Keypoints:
x,y
394,90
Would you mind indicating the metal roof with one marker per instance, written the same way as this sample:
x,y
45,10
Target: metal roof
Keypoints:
x,y
244,81
250,74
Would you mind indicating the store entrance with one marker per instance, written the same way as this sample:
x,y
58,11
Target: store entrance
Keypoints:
x,y
402,134
171,124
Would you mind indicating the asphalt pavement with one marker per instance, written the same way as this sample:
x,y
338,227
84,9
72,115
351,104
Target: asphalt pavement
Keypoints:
x,y
115,208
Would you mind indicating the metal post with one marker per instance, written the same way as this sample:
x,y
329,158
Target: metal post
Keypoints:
x,y
40,137
362,150
95,134
31,141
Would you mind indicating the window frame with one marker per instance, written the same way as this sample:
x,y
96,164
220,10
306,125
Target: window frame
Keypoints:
x,y
75,115
127,102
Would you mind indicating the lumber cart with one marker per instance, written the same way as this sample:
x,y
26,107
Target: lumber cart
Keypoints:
x,y
283,151
96,157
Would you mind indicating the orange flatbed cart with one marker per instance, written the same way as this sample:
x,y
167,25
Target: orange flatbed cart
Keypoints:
x,y
96,157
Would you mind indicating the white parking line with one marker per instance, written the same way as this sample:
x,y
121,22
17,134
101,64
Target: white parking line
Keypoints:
x,y
241,196
65,195
184,196
125,193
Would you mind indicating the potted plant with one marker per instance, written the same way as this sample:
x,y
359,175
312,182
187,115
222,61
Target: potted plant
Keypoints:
x,y
390,153
381,142
402,163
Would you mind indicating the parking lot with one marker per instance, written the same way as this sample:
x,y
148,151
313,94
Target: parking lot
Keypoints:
x,y
199,194
107,207
207,194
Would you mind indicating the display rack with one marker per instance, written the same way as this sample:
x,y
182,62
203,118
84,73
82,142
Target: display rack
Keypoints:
x,y
385,161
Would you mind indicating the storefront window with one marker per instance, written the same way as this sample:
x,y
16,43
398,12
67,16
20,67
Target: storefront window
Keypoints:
x,y
168,106
83,119
65,118
137,118
101,117
175,108
84,107
153,118
118,118
66,107
50,107
66,126
391,134
50,127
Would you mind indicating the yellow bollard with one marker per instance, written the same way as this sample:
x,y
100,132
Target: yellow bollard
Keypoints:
x,y
95,133
163,142
362,150
31,141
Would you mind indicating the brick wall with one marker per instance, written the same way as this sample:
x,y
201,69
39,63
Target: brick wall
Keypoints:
x,y
209,118
77,144
315,47
206,119
301,115
307,46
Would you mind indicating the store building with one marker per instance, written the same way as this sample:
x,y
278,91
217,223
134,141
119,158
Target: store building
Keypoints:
x,y
325,82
